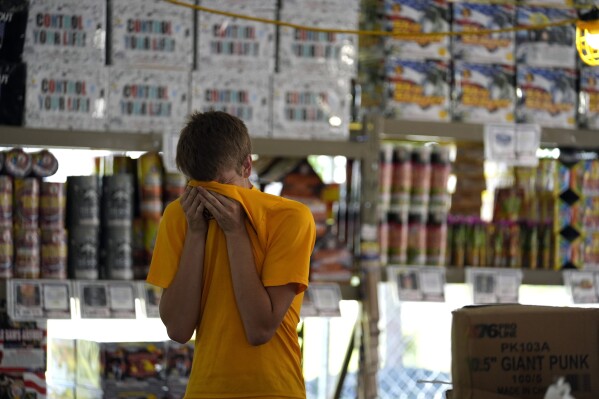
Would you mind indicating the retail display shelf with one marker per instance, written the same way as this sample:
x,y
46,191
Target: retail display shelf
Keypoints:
x,y
99,140
529,277
299,147
391,129
34,137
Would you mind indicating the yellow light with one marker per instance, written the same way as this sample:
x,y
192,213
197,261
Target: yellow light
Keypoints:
x,y
587,41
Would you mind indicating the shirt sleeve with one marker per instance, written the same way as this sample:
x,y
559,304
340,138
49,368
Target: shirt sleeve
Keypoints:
x,y
168,246
292,234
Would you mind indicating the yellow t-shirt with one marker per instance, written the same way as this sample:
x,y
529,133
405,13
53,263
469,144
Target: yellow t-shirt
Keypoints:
x,y
225,365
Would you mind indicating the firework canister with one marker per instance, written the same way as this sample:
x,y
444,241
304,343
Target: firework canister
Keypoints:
x,y
27,253
17,163
54,249
149,176
384,239
113,165
416,253
6,252
53,202
6,198
514,254
530,247
83,201
385,175
117,200
26,202
440,169
43,163
401,182
420,180
140,266
174,186
436,242
100,166
84,252
122,164
117,252
398,239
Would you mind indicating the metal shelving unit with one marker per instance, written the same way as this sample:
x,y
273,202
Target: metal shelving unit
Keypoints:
x,y
470,132
100,140
366,152
122,141
372,131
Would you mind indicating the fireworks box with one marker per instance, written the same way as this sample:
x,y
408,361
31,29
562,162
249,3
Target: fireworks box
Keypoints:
x,y
525,352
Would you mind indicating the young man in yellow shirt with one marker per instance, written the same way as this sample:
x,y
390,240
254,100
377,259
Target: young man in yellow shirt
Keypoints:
x,y
234,264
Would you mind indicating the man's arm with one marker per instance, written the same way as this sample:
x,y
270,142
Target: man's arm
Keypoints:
x,y
261,308
180,302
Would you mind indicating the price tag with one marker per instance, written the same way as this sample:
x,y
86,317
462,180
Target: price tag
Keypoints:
x,y
419,283
57,299
151,296
107,299
500,142
308,308
93,299
495,285
582,285
513,144
325,297
122,299
26,299
528,141
30,299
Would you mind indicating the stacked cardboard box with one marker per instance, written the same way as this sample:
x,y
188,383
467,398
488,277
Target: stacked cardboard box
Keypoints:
x,y
525,352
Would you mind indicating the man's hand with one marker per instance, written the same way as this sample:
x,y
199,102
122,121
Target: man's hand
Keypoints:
x,y
194,208
229,214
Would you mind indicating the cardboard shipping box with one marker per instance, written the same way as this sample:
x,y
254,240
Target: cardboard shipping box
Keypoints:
x,y
522,351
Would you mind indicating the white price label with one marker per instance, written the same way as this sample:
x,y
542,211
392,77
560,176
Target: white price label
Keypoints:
x,y
497,285
513,144
122,299
325,297
582,285
93,299
419,283
25,299
432,281
32,299
57,299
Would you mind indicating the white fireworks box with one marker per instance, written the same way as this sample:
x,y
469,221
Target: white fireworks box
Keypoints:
x,y
244,94
496,47
306,51
151,33
417,17
549,96
311,106
66,97
147,100
72,31
589,90
417,90
549,47
484,93
229,42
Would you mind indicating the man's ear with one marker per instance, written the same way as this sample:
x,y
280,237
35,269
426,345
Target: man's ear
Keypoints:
x,y
247,166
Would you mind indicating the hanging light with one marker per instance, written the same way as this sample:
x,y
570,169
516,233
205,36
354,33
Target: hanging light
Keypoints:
x,y
587,36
